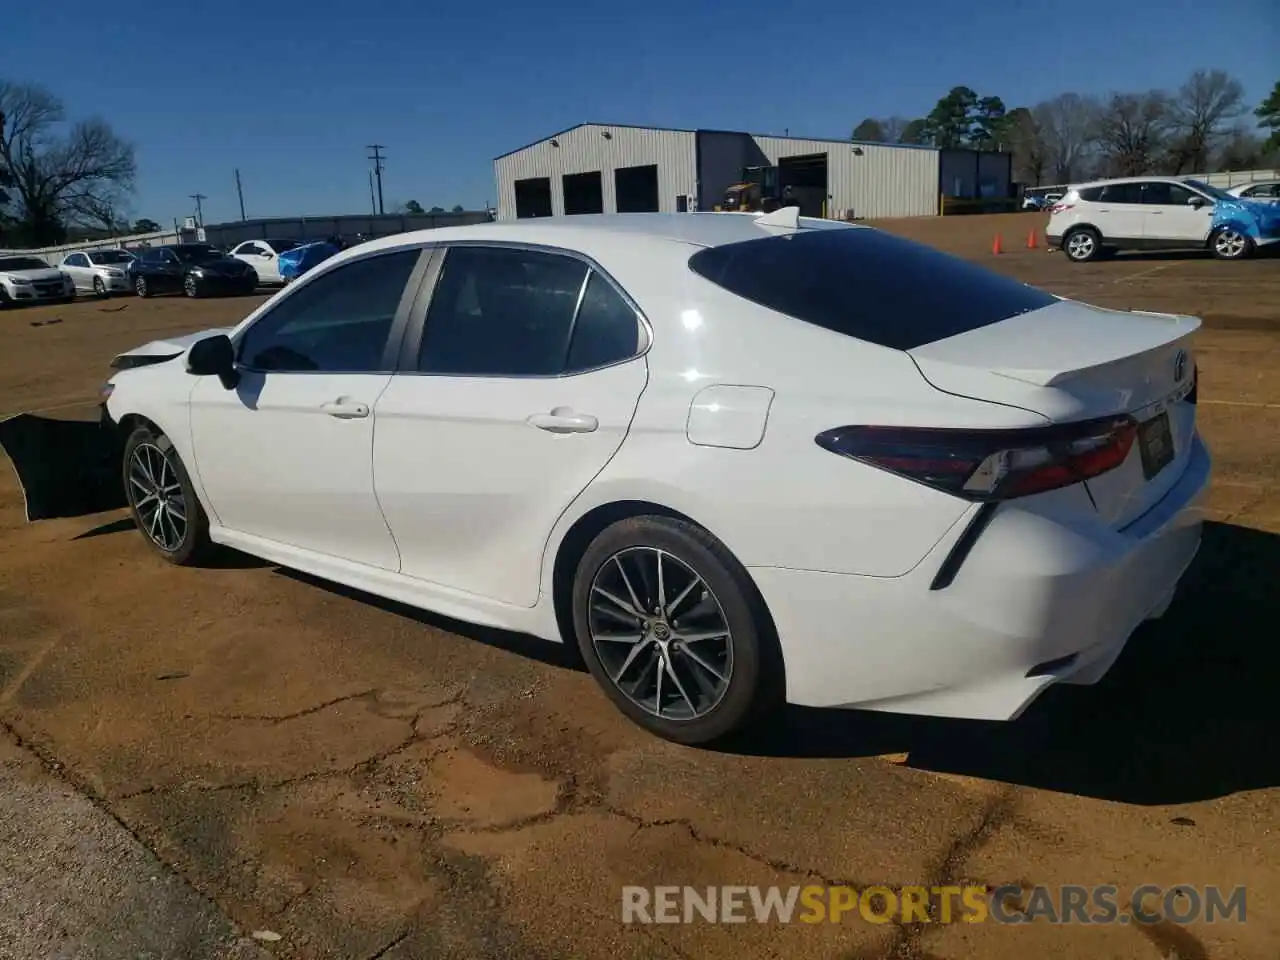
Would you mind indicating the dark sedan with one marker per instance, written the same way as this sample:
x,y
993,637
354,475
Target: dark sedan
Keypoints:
x,y
196,269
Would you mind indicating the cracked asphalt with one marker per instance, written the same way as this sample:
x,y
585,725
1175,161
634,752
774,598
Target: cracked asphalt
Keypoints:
x,y
193,756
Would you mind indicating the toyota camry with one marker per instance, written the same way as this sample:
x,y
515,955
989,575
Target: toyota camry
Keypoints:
x,y
732,459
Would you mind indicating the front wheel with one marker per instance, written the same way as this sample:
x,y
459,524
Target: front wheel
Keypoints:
x,y
162,500
141,287
99,288
672,628
190,287
1230,244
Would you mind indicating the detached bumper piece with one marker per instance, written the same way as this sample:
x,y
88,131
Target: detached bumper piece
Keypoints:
x,y
66,468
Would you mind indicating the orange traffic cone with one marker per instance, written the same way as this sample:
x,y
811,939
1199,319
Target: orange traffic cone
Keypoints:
x,y
996,247
1032,240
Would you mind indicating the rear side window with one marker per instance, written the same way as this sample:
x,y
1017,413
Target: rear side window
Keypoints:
x,y
1090,194
867,284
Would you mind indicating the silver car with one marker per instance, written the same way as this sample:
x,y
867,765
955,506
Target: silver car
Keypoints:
x,y
101,272
1258,190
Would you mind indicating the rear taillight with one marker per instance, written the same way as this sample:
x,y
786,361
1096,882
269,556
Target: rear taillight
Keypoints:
x,y
990,464
1061,207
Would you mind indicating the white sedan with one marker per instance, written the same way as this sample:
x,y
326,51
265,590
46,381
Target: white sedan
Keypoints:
x,y
263,256
27,279
734,459
101,272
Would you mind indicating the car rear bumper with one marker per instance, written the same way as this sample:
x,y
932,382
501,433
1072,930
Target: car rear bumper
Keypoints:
x,y
1040,598
1053,239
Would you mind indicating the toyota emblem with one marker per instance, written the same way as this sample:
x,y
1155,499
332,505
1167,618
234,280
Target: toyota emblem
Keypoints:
x,y
1179,365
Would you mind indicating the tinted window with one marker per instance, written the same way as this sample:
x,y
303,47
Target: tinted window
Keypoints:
x,y
606,329
110,256
337,322
75,260
22,263
1091,194
1122,193
501,312
867,284
1159,192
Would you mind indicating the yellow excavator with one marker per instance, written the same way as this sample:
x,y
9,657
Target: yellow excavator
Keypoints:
x,y
757,192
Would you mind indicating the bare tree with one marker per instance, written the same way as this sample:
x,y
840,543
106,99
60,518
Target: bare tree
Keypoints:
x,y
55,176
893,128
1026,143
1201,117
1067,126
1131,132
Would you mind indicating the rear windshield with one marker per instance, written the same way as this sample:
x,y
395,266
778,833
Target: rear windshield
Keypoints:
x,y
867,284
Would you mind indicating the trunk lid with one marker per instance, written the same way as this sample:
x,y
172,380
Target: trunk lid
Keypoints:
x,y
1071,361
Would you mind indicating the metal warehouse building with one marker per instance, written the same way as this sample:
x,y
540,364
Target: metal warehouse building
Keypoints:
x,y
617,168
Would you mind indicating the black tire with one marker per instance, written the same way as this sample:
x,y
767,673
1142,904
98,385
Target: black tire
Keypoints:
x,y
1082,244
1227,243
141,287
194,544
99,288
191,287
752,683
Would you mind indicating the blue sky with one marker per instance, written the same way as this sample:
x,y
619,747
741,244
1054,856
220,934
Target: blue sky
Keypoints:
x,y
291,92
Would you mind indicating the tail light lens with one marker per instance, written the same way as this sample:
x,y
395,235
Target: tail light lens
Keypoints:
x,y
1061,207
986,465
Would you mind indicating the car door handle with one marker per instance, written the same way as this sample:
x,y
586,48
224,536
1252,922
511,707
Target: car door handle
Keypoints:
x,y
345,409
564,420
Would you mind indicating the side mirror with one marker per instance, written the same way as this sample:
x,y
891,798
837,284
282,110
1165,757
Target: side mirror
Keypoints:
x,y
269,255
1196,202
214,357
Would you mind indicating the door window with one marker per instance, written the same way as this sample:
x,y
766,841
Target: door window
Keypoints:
x,y
1122,193
75,260
337,322
503,312
1160,193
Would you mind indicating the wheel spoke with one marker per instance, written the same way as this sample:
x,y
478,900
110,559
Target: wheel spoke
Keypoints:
x,y
671,671
662,587
620,637
689,652
621,604
701,635
638,649
670,609
631,591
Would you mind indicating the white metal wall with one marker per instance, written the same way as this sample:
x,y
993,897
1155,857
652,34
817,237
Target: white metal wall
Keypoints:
x,y
585,148
880,181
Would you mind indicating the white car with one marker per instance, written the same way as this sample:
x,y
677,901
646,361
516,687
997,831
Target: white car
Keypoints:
x,y
27,279
733,459
1258,190
101,272
262,256
1151,213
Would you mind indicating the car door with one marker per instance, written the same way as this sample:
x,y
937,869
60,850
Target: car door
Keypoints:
x,y
1171,218
1119,213
515,392
287,455
268,265
76,265
167,271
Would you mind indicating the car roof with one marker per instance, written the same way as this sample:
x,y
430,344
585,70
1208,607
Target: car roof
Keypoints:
x,y
1152,179
697,229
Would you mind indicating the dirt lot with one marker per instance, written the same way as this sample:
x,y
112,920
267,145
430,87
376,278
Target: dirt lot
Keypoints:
x,y
371,782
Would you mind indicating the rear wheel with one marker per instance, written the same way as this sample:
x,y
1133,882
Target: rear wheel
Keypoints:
x,y
190,287
672,628
1230,244
1082,245
162,499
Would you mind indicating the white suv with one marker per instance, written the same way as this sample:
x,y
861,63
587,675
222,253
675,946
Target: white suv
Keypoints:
x,y
1144,213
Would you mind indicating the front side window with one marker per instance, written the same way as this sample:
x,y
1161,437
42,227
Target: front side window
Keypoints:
x,y
337,322
1122,193
75,260
109,257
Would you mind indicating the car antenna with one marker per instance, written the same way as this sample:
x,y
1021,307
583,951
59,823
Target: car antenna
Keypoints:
x,y
782,217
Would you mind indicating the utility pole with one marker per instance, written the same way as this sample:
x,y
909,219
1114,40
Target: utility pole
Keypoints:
x,y
373,204
377,158
198,197
240,194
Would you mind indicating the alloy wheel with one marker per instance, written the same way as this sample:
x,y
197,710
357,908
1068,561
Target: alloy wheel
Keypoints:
x,y
189,285
660,634
156,494
1080,246
99,288
140,286
1229,244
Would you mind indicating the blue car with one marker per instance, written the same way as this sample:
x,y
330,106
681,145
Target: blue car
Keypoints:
x,y
294,263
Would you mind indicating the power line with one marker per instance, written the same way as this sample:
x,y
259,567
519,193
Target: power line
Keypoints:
x,y
377,158
198,197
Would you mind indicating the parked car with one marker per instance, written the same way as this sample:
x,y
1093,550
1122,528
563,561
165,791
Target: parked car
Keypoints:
x,y
294,263
733,459
1040,201
101,272
1159,213
263,256
27,279
1258,190
196,269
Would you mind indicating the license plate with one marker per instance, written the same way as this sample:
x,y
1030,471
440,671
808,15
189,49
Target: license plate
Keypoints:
x,y
1155,444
